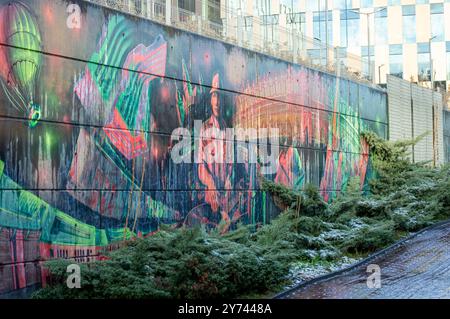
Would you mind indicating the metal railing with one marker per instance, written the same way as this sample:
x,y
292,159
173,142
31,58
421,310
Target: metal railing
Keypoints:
x,y
159,11
287,44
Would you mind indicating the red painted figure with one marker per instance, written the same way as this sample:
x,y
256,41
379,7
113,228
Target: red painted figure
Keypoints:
x,y
213,170
289,171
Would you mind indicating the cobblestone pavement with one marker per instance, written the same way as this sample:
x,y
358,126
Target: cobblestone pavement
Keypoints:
x,y
417,269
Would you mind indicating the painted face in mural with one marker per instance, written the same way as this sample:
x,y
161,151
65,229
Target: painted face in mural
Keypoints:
x,y
215,104
215,98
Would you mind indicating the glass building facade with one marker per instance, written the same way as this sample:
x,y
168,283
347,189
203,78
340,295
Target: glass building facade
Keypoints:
x,y
409,23
403,34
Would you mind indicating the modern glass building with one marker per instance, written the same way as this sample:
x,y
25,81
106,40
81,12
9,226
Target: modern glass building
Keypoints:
x,y
405,38
398,37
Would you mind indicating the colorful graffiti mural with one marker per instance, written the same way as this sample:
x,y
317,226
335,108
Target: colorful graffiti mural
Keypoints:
x,y
87,117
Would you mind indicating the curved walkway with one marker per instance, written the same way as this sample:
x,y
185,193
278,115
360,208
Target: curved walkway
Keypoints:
x,y
418,267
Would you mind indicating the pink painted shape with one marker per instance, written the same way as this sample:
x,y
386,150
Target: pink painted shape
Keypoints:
x,y
150,61
87,91
13,260
20,260
119,134
3,60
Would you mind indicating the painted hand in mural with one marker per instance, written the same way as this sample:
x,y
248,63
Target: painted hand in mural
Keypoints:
x,y
187,99
289,170
189,93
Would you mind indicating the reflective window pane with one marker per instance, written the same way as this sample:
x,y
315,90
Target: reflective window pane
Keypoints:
x,y
437,8
342,4
423,64
409,10
366,3
437,27
381,34
395,49
409,29
320,26
423,47
396,65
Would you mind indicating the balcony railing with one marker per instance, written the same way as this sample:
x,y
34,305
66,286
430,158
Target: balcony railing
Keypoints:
x,y
159,11
284,43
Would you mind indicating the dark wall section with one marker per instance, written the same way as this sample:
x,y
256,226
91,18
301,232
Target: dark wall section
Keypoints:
x,y
87,114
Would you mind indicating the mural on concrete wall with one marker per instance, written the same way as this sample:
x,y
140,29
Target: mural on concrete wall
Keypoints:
x,y
86,117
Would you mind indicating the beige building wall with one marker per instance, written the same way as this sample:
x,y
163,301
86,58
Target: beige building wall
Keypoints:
x,y
447,21
423,23
336,26
395,25
439,60
408,2
380,3
410,64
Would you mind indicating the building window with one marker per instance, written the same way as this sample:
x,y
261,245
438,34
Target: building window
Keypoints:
x,y
341,53
422,1
423,62
395,49
138,6
315,5
365,51
437,21
271,19
396,60
214,11
409,10
263,7
298,20
366,3
381,34
423,47
342,4
248,23
320,28
303,22
394,2
188,5
286,7
350,28
409,24
447,44
436,8
317,56
268,22
248,27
